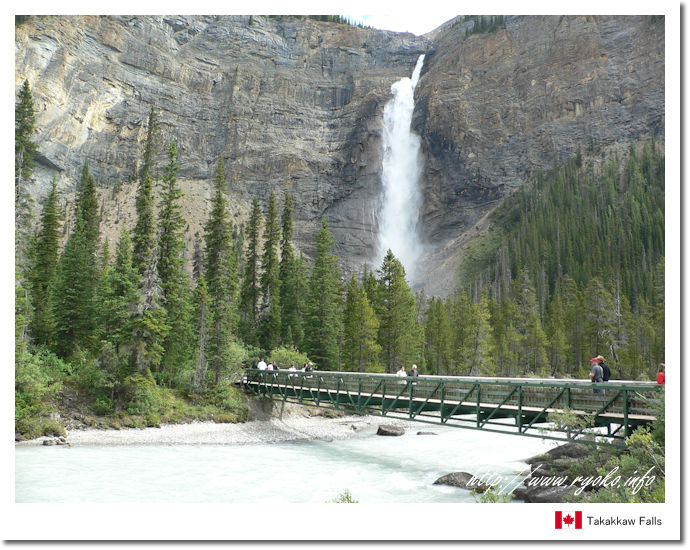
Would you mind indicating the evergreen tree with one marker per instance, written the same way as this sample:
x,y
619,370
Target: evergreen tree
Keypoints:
x,y
291,287
296,301
598,314
43,271
399,334
197,258
87,201
558,348
483,351
438,336
658,311
323,308
463,321
270,280
174,281
144,236
221,277
120,296
150,323
76,278
201,303
532,340
360,330
250,293
24,163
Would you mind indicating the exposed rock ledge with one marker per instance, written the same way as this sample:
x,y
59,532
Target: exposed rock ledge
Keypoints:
x,y
553,463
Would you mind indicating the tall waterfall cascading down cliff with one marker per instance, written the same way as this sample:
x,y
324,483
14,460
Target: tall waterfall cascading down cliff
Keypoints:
x,y
401,170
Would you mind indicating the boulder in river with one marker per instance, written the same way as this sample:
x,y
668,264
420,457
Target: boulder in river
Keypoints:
x,y
390,429
462,480
569,450
426,433
543,494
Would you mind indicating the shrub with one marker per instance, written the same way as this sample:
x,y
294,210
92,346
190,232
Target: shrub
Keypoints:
x,y
53,427
223,396
140,394
286,356
344,498
37,382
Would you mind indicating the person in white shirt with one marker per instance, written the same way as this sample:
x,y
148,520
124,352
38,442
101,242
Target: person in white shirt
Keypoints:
x,y
401,374
261,365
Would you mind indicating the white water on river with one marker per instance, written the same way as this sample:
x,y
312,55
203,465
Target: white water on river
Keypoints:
x,y
375,469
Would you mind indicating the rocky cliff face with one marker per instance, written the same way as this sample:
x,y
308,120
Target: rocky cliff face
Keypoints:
x,y
494,108
295,106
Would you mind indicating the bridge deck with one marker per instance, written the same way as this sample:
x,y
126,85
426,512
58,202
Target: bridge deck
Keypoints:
x,y
476,402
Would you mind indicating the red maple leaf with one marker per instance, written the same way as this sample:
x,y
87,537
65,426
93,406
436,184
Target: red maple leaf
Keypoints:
x,y
568,519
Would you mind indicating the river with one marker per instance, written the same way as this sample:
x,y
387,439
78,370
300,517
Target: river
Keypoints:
x,y
374,469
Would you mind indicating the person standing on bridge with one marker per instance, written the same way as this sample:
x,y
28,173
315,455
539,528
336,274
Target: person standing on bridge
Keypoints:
x,y
605,368
261,365
401,374
661,375
413,373
596,374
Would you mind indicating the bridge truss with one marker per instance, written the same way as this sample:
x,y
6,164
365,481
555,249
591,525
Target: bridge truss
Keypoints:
x,y
516,406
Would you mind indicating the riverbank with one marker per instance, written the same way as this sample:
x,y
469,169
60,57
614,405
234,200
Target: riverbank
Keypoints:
x,y
269,423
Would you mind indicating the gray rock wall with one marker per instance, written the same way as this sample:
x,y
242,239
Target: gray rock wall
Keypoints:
x,y
295,106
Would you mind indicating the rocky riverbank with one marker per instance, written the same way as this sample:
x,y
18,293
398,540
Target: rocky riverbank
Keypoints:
x,y
269,423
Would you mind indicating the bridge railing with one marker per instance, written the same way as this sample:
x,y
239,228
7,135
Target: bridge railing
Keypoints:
x,y
527,400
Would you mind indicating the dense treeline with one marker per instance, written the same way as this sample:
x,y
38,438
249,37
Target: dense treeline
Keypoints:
x,y
327,18
573,268
484,24
583,252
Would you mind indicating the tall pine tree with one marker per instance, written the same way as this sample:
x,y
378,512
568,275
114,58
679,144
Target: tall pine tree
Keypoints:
x,y
323,315
120,297
43,271
292,284
174,281
72,295
250,292
24,163
144,235
399,334
270,280
221,277
360,330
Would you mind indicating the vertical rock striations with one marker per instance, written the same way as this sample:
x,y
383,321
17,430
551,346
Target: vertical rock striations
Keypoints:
x,y
295,106
495,107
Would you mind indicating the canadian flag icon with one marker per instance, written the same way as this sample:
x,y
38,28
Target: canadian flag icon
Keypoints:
x,y
568,520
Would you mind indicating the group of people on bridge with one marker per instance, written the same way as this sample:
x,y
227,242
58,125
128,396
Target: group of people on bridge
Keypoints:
x,y
272,365
602,373
402,374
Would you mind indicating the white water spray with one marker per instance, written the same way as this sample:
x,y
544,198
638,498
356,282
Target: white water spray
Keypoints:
x,y
401,169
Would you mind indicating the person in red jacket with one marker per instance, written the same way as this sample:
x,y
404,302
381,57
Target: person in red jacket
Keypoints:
x,y
661,375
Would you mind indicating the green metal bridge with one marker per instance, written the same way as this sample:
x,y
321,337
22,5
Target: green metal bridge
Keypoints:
x,y
517,406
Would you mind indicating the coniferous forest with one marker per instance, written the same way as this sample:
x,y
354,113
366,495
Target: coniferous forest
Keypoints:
x,y
572,266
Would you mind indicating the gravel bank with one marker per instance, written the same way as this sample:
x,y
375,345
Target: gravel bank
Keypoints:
x,y
274,430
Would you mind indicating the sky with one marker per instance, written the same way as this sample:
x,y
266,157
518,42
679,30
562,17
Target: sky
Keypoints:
x,y
416,22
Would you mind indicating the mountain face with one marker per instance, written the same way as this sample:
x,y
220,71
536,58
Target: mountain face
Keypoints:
x,y
295,106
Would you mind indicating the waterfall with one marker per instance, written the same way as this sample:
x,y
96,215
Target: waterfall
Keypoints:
x,y
401,170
